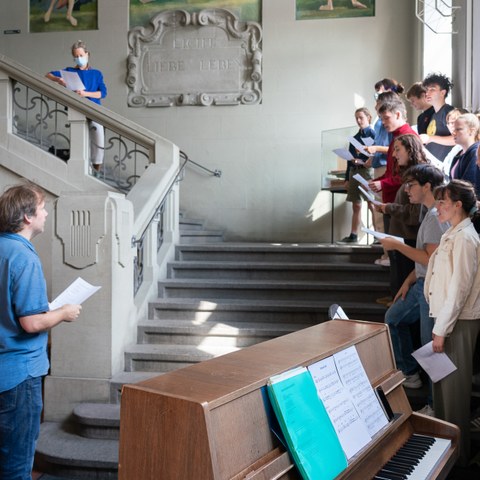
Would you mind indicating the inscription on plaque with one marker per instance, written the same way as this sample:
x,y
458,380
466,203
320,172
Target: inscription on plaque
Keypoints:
x,y
205,58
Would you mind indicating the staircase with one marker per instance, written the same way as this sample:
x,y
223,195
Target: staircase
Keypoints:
x,y
218,297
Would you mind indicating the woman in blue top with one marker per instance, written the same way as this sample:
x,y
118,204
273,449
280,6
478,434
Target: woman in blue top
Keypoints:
x,y
464,166
95,90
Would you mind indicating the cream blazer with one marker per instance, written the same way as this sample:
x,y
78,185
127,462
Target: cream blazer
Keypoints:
x,y
452,283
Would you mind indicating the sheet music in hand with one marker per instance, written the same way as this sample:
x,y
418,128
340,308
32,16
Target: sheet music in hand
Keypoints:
x,y
72,80
76,293
343,153
360,147
437,365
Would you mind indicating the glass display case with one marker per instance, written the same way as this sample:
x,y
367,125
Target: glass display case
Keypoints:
x,y
332,166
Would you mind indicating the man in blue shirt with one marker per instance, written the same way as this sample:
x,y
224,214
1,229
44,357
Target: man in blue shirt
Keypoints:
x,y
25,319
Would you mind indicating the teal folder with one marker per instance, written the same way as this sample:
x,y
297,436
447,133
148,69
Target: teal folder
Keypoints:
x,y
311,438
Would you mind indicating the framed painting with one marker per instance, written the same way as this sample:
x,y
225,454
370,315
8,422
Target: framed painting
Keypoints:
x,y
318,9
63,15
142,10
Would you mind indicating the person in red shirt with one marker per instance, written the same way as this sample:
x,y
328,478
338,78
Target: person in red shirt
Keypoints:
x,y
393,114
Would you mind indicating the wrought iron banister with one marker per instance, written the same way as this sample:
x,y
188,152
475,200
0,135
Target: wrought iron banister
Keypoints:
x,y
177,178
95,112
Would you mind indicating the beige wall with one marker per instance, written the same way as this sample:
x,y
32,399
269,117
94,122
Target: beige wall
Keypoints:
x,y
270,154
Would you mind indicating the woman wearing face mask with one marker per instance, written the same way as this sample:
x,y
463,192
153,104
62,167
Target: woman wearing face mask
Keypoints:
x,y
95,90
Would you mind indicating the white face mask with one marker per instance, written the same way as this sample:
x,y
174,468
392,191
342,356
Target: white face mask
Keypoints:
x,y
81,61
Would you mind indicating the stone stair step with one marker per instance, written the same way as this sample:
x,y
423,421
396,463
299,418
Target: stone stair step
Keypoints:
x,y
97,420
301,312
336,292
311,253
201,236
234,334
190,224
64,453
165,358
123,378
275,271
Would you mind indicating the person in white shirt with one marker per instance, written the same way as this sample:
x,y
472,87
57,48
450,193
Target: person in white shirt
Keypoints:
x,y
452,289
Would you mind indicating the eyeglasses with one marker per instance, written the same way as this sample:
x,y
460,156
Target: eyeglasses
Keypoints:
x,y
409,185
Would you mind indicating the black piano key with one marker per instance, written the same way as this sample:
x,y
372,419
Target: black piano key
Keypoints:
x,y
419,439
410,452
402,469
409,459
393,475
399,466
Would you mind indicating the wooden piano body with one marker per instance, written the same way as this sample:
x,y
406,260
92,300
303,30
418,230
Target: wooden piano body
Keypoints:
x,y
208,421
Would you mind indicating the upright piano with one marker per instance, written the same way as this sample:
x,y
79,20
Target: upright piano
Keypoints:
x,y
209,420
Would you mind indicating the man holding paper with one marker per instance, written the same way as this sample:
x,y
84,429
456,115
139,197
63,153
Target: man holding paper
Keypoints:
x,y
409,303
25,319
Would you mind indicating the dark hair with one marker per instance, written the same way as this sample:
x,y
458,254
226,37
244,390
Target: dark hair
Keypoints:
x,y
416,90
366,111
394,105
389,84
16,202
414,147
439,79
423,174
459,190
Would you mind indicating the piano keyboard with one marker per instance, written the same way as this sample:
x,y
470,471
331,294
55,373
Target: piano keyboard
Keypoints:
x,y
415,460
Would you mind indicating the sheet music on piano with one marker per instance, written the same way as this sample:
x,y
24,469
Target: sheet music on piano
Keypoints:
x,y
350,401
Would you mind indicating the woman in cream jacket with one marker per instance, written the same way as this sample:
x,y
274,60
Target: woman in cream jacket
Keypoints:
x,y
452,289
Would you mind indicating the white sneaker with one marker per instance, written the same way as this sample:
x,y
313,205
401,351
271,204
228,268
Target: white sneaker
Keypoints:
x,y
384,262
413,381
427,410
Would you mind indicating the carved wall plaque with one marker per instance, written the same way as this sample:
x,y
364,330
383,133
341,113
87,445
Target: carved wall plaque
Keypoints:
x,y
202,58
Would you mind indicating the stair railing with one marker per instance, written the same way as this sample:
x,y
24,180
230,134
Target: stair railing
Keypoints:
x,y
158,217
94,222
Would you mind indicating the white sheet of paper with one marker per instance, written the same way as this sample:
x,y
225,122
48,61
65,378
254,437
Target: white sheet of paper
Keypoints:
x,y
433,159
369,195
340,313
355,379
75,294
351,429
437,365
72,80
362,181
359,146
343,153
381,235
367,141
